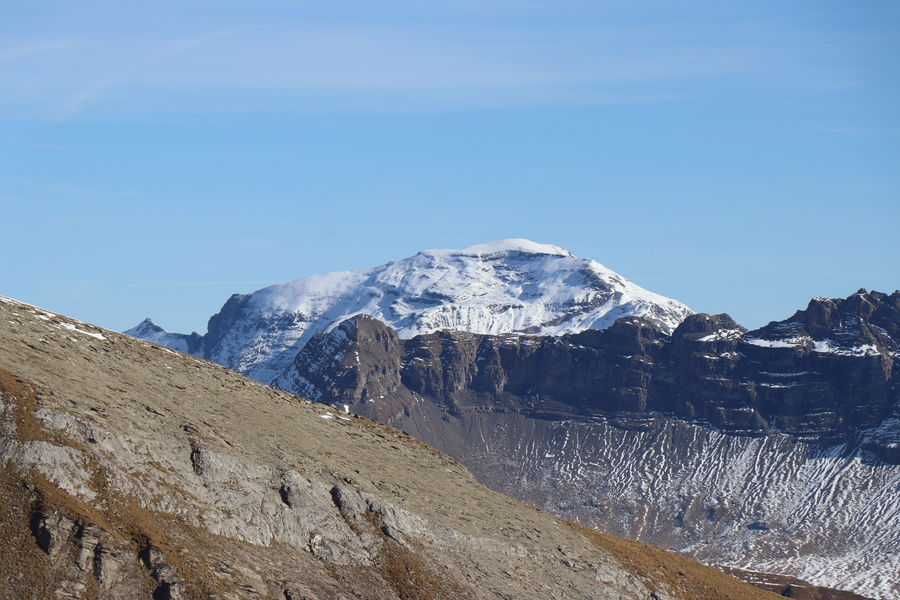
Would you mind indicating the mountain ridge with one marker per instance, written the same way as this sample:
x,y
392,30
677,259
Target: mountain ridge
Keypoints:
x,y
728,349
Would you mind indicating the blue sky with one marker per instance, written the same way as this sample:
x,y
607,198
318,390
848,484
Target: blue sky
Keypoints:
x,y
155,158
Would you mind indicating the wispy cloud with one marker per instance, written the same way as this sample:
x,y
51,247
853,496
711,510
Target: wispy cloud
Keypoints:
x,y
181,46
90,94
506,54
32,49
387,61
366,66
76,189
856,131
168,284
55,147
76,289
102,86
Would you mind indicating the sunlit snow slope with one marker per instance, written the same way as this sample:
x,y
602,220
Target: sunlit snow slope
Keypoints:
x,y
505,286
828,515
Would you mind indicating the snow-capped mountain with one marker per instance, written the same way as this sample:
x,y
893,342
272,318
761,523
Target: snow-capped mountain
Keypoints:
x,y
506,286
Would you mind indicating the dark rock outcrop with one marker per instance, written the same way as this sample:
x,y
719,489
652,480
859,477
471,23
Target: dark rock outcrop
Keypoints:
x,y
825,375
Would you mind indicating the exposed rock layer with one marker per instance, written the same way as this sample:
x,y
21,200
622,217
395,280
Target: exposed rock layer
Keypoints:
x,y
826,374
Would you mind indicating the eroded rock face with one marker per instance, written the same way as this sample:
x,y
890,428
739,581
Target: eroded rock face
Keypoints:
x,y
131,471
807,408
825,375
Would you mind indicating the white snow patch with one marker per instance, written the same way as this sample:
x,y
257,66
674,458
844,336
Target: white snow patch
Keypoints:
x,y
71,327
793,342
722,334
795,374
780,385
827,346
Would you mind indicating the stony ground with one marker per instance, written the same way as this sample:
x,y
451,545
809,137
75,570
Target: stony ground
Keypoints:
x,y
131,471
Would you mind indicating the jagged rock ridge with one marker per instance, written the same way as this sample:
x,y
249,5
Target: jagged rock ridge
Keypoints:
x,y
509,285
132,471
775,449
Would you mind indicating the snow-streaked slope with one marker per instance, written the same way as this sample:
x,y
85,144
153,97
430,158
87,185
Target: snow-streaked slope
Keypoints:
x,y
828,515
506,286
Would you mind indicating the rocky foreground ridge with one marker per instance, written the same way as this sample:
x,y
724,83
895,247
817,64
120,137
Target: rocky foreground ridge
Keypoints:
x,y
772,450
132,471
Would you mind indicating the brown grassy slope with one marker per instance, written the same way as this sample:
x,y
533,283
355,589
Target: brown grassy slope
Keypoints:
x,y
791,587
686,577
125,385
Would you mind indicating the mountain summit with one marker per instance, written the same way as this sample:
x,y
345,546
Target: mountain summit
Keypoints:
x,y
513,285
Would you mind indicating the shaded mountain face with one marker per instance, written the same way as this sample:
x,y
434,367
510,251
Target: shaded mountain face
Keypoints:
x,y
509,285
829,381
774,450
132,471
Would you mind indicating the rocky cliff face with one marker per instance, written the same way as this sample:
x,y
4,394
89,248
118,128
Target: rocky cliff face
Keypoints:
x,y
132,471
825,375
782,441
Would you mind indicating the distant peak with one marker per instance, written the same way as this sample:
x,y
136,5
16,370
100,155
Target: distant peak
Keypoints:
x,y
144,327
515,245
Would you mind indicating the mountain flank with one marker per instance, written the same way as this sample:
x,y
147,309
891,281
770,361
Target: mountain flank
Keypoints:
x,y
132,471
771,450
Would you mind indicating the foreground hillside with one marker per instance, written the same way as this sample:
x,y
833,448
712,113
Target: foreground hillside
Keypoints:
x,y
131,471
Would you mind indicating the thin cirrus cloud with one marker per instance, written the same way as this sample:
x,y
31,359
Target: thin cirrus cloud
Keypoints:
x,y
858,131
98,88
169,284
34,49
363,67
